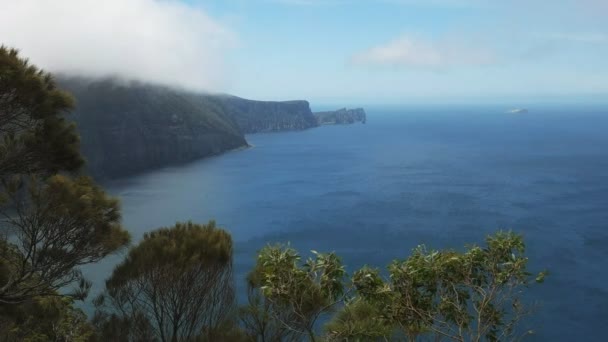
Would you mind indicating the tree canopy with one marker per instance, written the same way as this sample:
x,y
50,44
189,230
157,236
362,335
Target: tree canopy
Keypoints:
x,y
475,295
44,319
53,220
177,284
58,225
35,135
295,294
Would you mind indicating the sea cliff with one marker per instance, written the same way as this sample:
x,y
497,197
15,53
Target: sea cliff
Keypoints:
x,y
128,128
267,116
341,116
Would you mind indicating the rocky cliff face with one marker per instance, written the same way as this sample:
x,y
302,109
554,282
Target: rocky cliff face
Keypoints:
x,y
126,129
266,116
131,128
341,116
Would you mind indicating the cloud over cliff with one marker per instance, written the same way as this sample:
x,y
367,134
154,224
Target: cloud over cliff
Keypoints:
x,y
160,41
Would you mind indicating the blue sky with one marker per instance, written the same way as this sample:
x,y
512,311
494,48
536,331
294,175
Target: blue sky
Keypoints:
x,y
408,50
342,52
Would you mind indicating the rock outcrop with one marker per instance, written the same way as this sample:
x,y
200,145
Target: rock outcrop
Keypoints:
x,y
341,116
266,116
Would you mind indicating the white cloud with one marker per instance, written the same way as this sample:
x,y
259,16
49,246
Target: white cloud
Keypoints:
x,y
415,53
160,41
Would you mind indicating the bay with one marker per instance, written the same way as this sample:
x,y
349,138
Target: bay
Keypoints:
x,y
444,176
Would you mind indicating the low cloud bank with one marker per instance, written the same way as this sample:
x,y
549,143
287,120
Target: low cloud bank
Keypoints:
x,y
159,41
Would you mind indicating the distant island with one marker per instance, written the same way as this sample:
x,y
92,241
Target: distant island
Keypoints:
x,y
518,111
341,116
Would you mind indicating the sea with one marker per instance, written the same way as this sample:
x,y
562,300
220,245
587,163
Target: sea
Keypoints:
x,y
443,176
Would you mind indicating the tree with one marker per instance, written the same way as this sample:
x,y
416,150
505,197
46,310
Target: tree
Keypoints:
x,y
299,294
261,319
35,137
176,283
470,296
44,319
52,223
57,226
120,328
359,320
475,295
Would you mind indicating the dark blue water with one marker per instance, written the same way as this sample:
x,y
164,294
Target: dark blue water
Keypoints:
x,y
444,177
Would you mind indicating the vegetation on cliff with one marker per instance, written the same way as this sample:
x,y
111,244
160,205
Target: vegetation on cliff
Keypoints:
x,y
128,128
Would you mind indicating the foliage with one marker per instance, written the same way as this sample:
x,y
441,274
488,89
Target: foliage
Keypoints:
x,y
157,125
471,296
120,328
176,285
261,319
359,320
44,319
52,223
299,294
60,224
475,295
35,137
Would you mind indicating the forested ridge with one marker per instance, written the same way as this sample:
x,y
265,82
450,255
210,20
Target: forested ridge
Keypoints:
x,y
130,127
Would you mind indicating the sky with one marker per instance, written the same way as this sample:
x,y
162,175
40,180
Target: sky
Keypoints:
x,y
327,51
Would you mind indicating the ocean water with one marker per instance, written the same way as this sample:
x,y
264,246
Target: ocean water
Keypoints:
x,y
440,176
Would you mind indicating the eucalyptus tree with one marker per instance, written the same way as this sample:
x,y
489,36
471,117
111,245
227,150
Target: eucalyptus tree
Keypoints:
x,y
175,285
52,223
262,319
296,294
475,295
360,320
44,319
56,226
35,135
